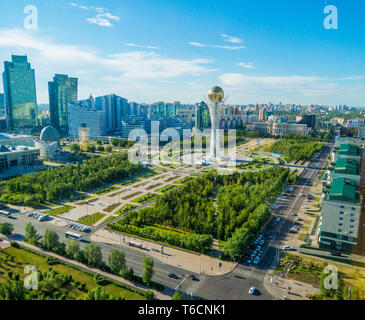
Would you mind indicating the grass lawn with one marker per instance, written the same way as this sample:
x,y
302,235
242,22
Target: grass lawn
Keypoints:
x,y
126,208
152,186
132,195
59,210
22,257
352,276
92,218
108,219
146,198
104,190
112,207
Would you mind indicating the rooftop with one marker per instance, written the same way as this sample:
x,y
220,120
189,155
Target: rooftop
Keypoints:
x,y
349,149
346,166
343,189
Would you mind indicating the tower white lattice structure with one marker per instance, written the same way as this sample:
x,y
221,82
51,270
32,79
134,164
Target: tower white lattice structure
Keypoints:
x,y
215,95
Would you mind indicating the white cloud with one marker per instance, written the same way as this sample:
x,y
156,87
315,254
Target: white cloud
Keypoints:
x,y
197,44
201,45
231,39
131,44
122,70
102,18
248,65
79,6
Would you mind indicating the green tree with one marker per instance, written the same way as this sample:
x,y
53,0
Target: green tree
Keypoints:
x,y
91,148
75,147
72,248
148,269
6,228
93,255
177,296
12,290
117,261
50,240
31,235
109,149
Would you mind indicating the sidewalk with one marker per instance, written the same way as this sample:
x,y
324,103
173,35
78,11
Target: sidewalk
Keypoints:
x,y
190,261
158,295
279,288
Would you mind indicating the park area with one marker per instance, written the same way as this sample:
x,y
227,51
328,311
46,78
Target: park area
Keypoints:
x,y
57,280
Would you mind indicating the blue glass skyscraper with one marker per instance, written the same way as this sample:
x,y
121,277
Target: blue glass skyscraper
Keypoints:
x,y
20,95
61,91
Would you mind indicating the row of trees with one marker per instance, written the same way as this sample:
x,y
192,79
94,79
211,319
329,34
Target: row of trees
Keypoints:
x,y
90,255
60,183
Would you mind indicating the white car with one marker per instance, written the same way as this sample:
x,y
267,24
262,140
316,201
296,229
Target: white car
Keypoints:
x,y
252,290
287,248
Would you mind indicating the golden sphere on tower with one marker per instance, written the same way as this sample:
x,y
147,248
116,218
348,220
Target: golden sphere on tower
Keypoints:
x,y
216,94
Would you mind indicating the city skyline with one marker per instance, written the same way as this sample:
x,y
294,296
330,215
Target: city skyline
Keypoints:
x,y
276,54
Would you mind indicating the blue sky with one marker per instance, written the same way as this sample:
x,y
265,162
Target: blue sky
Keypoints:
x,y
258,51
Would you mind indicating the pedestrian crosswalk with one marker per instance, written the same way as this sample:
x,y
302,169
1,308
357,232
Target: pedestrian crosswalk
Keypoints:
x,y
196,285
249,274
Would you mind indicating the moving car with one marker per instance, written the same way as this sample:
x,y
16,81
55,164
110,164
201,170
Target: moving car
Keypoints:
x,y
173,275
288,248
252,290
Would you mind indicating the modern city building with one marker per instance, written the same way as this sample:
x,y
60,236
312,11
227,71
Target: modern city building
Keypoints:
x,y
83,114
61,90
48,143
202,119
13,140
20,95
113,109
130,123
2,105
17,156
310,120
262,114
341,212
279,128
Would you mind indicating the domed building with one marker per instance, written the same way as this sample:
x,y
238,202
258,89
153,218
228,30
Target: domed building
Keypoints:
x,y
49,143
49,135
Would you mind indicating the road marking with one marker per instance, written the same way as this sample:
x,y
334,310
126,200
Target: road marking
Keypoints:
x,y
249,274
196,286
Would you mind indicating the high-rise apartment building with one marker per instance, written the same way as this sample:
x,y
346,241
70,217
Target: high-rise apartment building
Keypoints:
x,y
20,95
114,108
2,105
62,90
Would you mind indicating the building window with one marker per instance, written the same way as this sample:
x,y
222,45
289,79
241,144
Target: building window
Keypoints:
x,y
340,224
340,218
351,226
339,230
352,208
342,207
352,220
351,232
341,212
353,215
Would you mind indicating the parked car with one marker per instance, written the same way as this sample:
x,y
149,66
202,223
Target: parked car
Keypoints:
x,y
288,248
